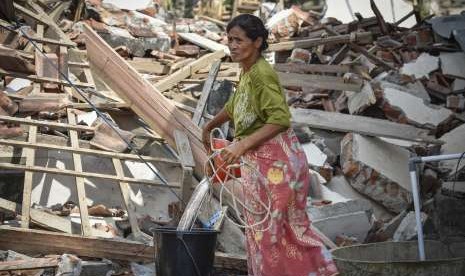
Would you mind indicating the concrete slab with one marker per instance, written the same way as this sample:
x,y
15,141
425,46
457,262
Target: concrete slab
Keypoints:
x,y
452,64
315,156
340,208
415,109
458,84
353,225
378,170
359,101
454,143
421,67
340,185
417,89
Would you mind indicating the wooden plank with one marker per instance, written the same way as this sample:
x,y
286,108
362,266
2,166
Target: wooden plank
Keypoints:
x,y
93,152
314,68
36,78
146,100
362,37
128,204
80,181
318,81
148,66
174,185
216,21
207,87
32,242
360,124
205,43
184,149
41,218
50,124
34,263
187,161
183,73
28,176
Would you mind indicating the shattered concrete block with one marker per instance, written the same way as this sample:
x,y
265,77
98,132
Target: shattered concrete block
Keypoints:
x,y
421,67
454,143
406,108
378,170
69,265
359,101
340,208
417,89
315,156
141,25
137,46
407,229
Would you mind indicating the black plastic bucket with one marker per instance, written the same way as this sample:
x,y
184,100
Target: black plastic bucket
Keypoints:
x,y
184,253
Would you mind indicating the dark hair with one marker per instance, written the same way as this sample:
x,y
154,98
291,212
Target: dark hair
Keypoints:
x,y
252,26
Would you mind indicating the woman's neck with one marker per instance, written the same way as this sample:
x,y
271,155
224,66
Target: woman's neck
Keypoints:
x,y
247,64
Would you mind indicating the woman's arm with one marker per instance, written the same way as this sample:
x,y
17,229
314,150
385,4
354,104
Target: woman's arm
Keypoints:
x,y
219,119
232,153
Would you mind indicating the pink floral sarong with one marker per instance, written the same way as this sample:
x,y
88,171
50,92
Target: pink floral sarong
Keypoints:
x,y
289,247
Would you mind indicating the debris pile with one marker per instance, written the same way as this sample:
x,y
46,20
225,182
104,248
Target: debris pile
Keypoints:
x,y
102,103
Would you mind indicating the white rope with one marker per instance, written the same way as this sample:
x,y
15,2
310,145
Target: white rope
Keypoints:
x,y
227,170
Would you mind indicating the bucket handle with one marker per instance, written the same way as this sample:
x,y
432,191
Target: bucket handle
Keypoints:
x,y
180,236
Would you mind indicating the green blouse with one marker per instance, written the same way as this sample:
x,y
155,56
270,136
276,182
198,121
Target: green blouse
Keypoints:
x,y
258,100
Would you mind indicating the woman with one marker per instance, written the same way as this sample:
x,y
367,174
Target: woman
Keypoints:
x,y
265,140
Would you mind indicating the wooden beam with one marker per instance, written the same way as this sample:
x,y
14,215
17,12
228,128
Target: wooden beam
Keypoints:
x,y
314,68
50,124
188,163
156,183
183,73
28,176
149,66
34,263
28,241
365,37
360,124
318,81
93,152
125,194
146,100
204,42
207,87
32,242
80,181
213,20
36,78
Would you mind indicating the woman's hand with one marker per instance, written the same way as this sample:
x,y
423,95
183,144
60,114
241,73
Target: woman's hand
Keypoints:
x,y
233,152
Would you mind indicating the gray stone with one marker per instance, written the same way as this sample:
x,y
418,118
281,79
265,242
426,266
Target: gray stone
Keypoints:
x,y
359,101
407,229
421,67
96,268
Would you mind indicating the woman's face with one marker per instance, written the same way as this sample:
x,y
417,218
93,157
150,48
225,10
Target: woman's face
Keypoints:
x,y
242,48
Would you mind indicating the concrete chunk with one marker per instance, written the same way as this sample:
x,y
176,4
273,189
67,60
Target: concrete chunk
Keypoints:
x,y
413,109
377,169
408,227
452,64
358,102
352,224
454,143
421,67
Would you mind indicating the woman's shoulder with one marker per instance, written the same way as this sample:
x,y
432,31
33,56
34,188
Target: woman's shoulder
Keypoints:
x,y
263,73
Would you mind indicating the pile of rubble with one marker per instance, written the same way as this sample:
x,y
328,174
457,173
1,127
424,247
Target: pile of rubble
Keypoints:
x,y
365,97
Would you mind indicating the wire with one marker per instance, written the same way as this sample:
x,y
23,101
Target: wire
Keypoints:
x,y
456,171
99,113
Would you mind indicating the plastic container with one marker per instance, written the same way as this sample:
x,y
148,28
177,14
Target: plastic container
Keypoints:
x,y
172,250
220,166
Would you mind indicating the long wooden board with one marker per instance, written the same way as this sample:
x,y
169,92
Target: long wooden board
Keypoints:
x,y
145,100
28,241
360,124
204,42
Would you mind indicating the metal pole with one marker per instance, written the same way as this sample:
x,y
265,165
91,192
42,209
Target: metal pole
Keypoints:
x,y
416,204
416,194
